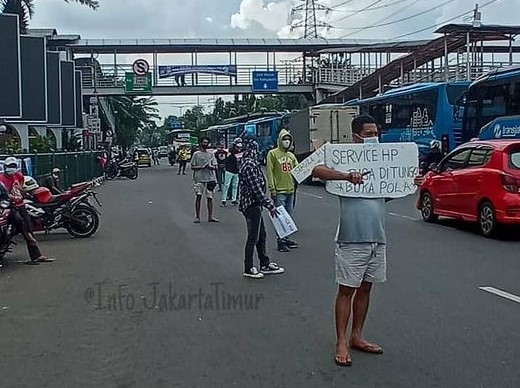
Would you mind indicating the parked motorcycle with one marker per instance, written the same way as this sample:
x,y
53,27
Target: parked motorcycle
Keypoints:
x,y
71,210
123,168
7,231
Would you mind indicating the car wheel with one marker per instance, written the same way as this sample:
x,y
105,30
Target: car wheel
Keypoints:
x,y
487,220
427,211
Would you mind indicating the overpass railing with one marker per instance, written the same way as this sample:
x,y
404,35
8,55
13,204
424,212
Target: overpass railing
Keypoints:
x,y
110,76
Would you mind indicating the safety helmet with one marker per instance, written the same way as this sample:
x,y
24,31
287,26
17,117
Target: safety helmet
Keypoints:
x,y
10,160
56,170
29,183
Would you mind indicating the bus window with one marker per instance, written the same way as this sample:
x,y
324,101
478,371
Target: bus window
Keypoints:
x,y
264,129
513,103
455,93
493,101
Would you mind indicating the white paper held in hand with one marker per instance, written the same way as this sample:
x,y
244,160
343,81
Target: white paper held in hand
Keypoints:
x,y
283,223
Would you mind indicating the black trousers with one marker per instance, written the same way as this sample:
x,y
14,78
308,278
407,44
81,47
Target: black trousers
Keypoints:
x,y
256,237
19,218
182,166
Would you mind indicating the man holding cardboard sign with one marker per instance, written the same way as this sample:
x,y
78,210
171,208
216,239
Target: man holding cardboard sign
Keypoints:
x,y
360,258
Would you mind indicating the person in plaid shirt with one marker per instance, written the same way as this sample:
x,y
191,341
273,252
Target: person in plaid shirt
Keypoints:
x,y
252,188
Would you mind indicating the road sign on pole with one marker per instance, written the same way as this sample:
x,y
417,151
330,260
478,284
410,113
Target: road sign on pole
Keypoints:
x,y
141,67
138,83
265,81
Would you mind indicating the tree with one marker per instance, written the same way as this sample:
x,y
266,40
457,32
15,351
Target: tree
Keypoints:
x,y
133,115
25,9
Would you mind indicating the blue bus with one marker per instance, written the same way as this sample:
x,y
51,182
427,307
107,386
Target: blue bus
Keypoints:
x,y
418,113
491,108
266,131
223,134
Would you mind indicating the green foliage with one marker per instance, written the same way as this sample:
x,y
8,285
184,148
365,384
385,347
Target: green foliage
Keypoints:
x,y
41,144
73,144
11,145
25,9
133,116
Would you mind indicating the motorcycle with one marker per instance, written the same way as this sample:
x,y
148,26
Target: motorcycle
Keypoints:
x,y
71,210
171,159
123,168
7,231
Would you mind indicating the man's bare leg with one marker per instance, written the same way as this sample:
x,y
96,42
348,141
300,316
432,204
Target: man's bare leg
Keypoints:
x,y
210,211
198,199
359,314
343,305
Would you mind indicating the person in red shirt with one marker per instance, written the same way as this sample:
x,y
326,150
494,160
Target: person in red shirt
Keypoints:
x,y
13,181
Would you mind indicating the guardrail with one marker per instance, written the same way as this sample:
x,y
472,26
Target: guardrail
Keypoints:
x,y
75,166
110,76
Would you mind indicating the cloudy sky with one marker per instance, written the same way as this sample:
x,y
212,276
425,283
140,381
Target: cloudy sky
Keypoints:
x,y
356,19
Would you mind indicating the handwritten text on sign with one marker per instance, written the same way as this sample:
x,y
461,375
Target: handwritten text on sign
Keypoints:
x,y
391,169
303,170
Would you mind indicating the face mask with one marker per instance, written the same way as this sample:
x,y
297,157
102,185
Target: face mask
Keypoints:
x,y
286,143
10,170
371,140
55,176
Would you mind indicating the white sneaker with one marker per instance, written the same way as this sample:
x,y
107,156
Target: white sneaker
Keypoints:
x,y
253,273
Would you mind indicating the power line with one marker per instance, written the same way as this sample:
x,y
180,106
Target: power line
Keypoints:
x,y
310,23
443,22
342,4
403,19
367,8
381,20
372,9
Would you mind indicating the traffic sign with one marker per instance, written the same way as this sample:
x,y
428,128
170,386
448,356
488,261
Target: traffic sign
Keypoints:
x,y
141,67
138,83
265,81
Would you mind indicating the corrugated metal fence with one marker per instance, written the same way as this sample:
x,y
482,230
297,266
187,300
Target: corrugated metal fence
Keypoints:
x,y
75,166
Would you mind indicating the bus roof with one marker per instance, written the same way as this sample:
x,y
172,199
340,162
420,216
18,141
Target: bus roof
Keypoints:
x,y
498,75
402,91
264,119
181,130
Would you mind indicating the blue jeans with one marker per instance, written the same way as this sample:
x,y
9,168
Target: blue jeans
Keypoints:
x,y
287,201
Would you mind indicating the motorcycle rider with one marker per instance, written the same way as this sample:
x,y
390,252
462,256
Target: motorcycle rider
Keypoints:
x,y
53,182
433,157
13,181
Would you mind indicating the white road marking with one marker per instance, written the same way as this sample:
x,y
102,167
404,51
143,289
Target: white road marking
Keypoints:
x,y
308,194
501,293
403,216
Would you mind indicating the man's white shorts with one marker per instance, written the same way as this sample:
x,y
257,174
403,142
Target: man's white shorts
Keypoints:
x,y
202,189
358,262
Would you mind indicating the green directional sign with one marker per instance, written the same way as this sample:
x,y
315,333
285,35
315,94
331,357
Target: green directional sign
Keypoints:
x,y
138,83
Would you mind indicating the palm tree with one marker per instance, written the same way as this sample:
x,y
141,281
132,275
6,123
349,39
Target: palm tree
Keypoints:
x,y
25,9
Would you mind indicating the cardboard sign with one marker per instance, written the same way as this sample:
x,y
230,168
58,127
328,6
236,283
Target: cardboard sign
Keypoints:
x,y
303,170
283,223
390,168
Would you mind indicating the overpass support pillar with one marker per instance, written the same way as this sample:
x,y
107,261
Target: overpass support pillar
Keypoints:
x,y
319,95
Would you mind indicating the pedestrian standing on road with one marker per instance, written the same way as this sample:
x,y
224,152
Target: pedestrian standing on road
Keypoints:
x,y
253,199
155,156
280,163
221,155
360,258
184,157
204,165
231,175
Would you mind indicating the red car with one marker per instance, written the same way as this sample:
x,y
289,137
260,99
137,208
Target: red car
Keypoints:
x,y
479,182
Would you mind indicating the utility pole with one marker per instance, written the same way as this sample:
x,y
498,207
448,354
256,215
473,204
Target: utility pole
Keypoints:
x,y
310,22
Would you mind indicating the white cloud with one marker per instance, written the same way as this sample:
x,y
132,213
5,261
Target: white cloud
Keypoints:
x,y
272,16
209,19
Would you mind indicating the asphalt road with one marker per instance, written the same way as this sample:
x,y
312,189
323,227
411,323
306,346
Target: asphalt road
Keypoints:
x,y
91,319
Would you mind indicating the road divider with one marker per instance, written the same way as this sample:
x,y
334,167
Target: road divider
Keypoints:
x,y
501,293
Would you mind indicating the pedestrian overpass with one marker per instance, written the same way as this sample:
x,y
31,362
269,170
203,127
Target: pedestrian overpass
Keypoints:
x,y
105,66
